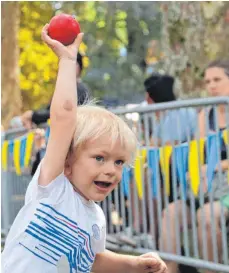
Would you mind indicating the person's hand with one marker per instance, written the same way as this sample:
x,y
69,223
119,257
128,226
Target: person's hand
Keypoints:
x,y
204,178
26,119
39,138
149,263
62,51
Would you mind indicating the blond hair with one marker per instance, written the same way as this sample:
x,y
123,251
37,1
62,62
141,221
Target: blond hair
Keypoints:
x,y
94,121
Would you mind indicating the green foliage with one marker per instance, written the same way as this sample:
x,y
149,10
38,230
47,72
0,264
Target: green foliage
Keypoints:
x,y
193,34
38,65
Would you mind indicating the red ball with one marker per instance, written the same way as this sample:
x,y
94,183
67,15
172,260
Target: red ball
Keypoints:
x,y
64,28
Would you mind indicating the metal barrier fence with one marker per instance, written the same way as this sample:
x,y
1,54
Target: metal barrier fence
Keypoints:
x,y
175,198
13,186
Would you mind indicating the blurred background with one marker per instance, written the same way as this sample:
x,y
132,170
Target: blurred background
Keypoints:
x,y
124,42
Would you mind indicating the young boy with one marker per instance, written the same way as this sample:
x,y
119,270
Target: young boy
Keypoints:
x,y
86,151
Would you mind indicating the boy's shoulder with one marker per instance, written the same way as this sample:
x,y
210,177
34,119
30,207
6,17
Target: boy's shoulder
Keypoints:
x,y
98,207
57,190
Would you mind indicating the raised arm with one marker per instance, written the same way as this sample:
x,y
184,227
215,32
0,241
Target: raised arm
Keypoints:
x,y
63,109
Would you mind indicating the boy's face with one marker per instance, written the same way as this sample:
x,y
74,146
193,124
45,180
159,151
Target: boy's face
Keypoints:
x,y
97,168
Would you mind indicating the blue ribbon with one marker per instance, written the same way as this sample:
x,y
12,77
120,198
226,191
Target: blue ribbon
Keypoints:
x,y
11,146
181,155
213,157
22,151
47,132
153,165
126,180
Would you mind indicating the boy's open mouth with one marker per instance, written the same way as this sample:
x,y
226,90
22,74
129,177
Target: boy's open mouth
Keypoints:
x,y
102,184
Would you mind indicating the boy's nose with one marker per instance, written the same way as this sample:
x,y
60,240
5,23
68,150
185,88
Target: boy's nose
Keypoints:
x,y
109,169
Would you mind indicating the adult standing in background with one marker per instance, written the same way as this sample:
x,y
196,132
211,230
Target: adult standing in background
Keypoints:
x,y
174,126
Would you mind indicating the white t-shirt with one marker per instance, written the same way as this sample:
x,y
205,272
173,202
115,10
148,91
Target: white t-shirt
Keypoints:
x,y
54,221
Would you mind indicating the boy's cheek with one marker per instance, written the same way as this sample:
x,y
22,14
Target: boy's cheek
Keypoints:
x,y
116,184
119,176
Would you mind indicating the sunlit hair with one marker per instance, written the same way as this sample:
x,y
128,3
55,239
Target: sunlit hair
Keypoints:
x,y
224,64
94,121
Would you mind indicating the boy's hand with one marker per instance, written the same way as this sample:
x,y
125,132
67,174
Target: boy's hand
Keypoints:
x,y
62,52
149,263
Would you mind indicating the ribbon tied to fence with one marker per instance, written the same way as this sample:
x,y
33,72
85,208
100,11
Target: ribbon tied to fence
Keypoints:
x,y
187,157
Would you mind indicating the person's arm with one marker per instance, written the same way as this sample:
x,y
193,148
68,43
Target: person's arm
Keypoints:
x,y
224,165
111,262
201,123
117,263
37,117
62,111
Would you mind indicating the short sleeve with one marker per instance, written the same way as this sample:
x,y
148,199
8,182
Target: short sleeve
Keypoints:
x,y
103,236
178,125
54,190
101,246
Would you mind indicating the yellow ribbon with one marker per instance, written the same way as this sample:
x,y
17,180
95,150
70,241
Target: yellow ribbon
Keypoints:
x,y
195,148
5,154
16,154
28,148
225,139
226,136
139,171
165,154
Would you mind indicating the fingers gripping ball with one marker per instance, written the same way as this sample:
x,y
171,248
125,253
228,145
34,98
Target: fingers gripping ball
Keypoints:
x,y
64,28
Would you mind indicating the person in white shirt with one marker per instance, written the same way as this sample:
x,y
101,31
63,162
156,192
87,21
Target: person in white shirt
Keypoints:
x,y
87,149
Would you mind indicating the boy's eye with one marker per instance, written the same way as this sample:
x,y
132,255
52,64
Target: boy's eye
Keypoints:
x,y
99,158
119,162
